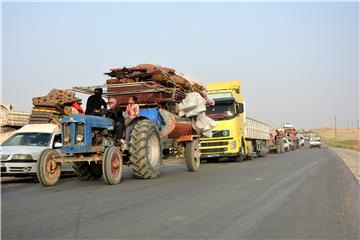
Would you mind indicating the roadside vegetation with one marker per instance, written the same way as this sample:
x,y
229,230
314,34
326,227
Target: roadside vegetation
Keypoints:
x,y
345,137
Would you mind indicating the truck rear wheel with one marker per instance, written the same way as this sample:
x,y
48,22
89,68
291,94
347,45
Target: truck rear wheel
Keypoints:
x,y
278,148
282,147
48,171
192,155
86,171
112,165
145,150
263,150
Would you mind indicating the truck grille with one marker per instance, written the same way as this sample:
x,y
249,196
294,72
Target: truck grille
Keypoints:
x,y
216,134
212,144
212,150
67,134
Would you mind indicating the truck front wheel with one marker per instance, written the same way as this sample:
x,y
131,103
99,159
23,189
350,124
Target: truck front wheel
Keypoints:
x,y
48,170
145,150
192,155
112,165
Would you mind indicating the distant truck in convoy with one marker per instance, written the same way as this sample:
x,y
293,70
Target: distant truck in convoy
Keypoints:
x,y
235,136
276,142
315,141
291,134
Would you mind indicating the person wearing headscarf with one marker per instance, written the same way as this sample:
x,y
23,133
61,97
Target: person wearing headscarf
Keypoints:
x,y
95,102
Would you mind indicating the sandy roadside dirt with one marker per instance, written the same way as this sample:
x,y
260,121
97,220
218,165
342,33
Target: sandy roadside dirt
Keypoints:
x,y
351,159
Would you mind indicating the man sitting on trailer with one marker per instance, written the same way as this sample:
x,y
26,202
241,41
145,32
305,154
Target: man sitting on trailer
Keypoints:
x,y
95,102
132,111
115,113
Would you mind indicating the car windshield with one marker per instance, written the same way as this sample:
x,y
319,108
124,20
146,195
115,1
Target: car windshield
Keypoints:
x,y
221,111
28,139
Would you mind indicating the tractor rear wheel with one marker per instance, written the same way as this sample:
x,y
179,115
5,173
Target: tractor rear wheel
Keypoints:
x,y
282,147
263,150
145,150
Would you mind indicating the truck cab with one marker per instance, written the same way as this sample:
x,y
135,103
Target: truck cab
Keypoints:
x,y
228,138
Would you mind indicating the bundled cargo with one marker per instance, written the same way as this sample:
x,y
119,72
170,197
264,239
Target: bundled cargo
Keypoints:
x,y
166,77
162,87
51,108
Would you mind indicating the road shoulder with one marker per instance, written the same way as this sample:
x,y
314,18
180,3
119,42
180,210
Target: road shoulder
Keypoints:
x,y
351,159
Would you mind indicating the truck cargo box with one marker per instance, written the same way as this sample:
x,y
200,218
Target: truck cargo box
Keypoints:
x,y
256,129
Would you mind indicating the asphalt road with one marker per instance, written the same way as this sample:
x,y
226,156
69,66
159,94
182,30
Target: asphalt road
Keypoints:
x,y
305,194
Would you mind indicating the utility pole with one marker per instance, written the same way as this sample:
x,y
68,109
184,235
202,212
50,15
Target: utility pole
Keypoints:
x,y
335,126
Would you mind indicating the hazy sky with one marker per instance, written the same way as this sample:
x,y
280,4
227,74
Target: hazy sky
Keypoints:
x,y
297,62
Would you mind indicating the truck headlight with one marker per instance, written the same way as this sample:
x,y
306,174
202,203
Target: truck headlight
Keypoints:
x,y
79,138
21,157
233,145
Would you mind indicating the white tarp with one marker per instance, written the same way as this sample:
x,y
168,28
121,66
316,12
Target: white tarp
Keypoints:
x,y
194,106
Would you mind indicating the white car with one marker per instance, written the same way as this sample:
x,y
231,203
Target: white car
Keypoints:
x,y
21,151
315,141
286,145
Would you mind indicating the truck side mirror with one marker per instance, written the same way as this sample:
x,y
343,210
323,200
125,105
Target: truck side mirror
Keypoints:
x,y
240,106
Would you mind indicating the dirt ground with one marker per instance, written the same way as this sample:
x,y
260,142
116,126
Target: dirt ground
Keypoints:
x,y
345,137
341,133
351,159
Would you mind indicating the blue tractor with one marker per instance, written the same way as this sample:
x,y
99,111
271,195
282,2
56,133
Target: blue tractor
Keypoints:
x,y
88,143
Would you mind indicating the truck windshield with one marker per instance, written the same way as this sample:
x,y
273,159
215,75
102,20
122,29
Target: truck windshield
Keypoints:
x,y
221,111
28,139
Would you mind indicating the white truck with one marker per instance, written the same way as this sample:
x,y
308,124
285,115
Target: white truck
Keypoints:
x,y
315,141
21,151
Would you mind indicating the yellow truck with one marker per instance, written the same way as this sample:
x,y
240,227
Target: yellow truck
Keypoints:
x,y
235,136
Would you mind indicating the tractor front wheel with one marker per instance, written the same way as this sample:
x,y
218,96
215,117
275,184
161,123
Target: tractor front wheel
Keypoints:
x,y
48,170
112,165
